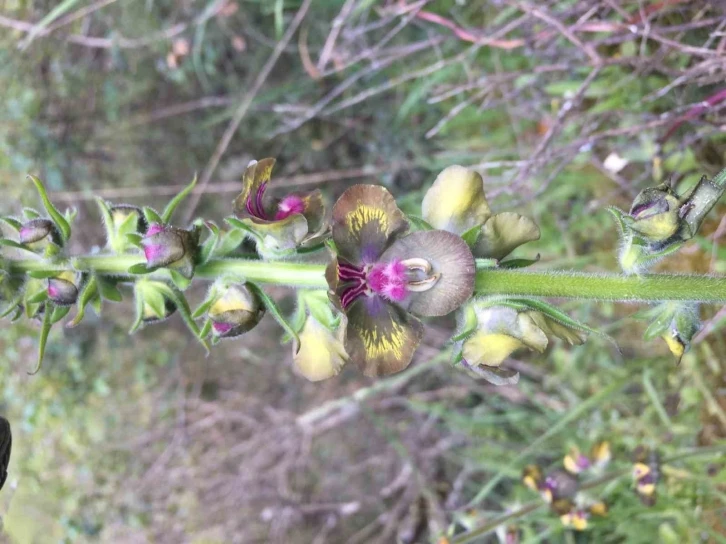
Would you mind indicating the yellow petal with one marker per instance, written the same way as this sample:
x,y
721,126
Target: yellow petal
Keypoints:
x,y
456,201
490,349
675,344
321,354
503,233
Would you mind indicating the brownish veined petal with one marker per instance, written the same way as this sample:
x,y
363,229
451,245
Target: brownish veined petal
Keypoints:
x,y
450,259
366,221
381,338
314,210
257,172
456,201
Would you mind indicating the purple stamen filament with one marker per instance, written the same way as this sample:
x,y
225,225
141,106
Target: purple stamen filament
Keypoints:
x,y
387,280
254,204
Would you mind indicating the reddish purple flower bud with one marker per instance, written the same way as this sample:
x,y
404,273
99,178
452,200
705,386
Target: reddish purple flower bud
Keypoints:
x,y
236,311
37,230
62,290
170,247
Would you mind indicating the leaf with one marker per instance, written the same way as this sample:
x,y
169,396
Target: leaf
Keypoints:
x,y
174,202
134,238
471,236
204,306
12,305
139,307
275,312
107,220
30,213
43,337
229,242
206,329
619,217
239,225
152,216
37,298
12,223
88,291
42,274
60,221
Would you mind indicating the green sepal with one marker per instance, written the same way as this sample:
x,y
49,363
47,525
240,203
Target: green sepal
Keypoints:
x,y
59,312
205,305
418,223
206,329
277,314
519,263
14,304
37,298
660,325
88,292
134,238
619,216
140,269
107,219
229,242
12,223
16,245
139,307
43,336
97,303
237,224
182,307
468,325
42,274
471,236
51,250
108,289
60,221
180,280
152,216
174,202
30,213
210,244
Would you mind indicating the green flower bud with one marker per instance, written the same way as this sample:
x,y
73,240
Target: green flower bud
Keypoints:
x,y
675,322
235,311
656,213
152,302
123,214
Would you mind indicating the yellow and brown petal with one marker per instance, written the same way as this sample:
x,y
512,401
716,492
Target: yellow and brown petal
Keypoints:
x,y
381,338
366,220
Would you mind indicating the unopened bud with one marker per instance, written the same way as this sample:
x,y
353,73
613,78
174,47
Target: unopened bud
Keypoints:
x,y
236,311
655,213
120,215
62,290
37,230
170,247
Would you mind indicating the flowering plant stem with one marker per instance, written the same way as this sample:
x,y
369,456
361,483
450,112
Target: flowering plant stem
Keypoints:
x,y
489,281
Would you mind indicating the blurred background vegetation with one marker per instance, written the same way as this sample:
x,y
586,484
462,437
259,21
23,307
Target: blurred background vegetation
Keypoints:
x,y
564,106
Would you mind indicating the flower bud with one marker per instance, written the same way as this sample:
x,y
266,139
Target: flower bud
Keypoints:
x,y
236,311
322,352
37,230
170,247
656,213
121,214
62,290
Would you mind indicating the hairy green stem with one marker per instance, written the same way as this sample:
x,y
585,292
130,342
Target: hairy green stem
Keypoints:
x,y
489,281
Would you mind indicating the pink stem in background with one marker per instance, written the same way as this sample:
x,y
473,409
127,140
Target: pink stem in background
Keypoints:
x,y
695,111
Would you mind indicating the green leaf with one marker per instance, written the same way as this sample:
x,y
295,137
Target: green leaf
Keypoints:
x,y
108,289
139,308
204,306
277,314
42,274
134,238
57,217
88,292
107,220
43,337
152,216
206,329
37,298
30,213
620,219
12,223
418,223
169,210
12,305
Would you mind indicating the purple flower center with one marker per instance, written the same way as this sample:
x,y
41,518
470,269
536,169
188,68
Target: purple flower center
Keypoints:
x,y
288,206
387,280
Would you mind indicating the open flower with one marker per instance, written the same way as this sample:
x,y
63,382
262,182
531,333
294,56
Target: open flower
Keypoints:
x,y
576,462
492,330
171,247
646,473
380,278
456,203
281,224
